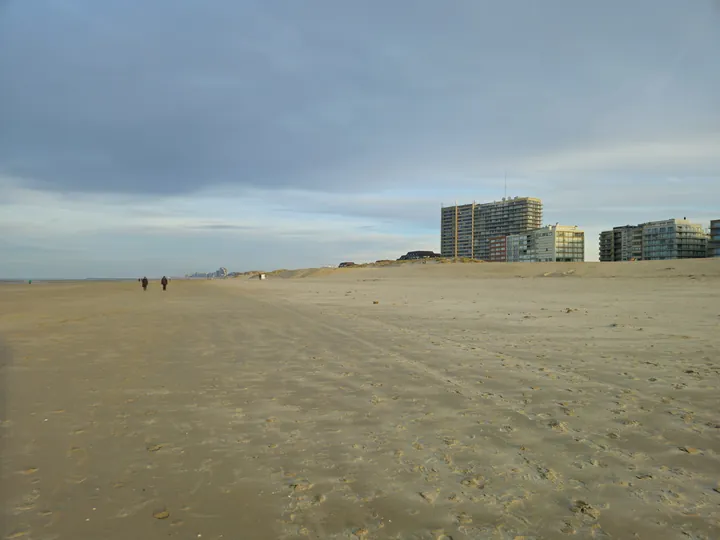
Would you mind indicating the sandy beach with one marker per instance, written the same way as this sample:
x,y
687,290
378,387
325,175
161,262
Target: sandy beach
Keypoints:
x,y
425,401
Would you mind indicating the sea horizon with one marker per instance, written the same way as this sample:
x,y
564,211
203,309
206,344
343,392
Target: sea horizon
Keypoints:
x,y
70,280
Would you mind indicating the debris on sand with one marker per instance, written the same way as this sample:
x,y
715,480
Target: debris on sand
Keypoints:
x,y
429,496
559,274
584,508
302,486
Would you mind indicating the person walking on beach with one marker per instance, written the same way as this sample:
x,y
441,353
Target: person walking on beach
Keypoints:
x,y
144,283
164,282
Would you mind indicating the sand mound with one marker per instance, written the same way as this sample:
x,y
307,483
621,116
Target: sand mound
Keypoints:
x,y
694,269
699,269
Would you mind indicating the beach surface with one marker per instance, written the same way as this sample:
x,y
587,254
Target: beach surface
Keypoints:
x,y
423,401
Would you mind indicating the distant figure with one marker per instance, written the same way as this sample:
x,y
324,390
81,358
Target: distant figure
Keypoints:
x,y
164,282
144,283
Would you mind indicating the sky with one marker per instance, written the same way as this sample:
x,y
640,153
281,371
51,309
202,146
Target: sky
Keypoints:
x,y
176,136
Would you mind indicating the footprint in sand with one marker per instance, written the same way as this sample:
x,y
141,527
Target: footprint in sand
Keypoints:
x,y
560,427
302,485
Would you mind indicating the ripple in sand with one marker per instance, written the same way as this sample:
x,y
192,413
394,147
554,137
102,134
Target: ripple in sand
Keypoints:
x,y
17,534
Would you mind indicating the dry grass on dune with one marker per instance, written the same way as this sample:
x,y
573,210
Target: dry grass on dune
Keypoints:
x,y
693,269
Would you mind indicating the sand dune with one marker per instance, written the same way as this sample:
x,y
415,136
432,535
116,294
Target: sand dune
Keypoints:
x,y
422,401
702,268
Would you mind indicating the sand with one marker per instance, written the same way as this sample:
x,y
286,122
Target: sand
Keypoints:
x,y
421,401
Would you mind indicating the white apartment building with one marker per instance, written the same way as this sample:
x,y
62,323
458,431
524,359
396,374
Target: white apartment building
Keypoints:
x,y
553,243
673,239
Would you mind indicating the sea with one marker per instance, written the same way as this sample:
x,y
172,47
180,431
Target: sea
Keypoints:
x,y
84,280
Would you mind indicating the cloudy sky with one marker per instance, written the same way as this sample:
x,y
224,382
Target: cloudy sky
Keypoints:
x,y
178,135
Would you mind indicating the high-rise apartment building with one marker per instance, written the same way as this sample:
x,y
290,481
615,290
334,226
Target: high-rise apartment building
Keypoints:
x,y
655,240
554,243
457,228
673,239
503,218
714,243
607,247
467,230
622,243
628,242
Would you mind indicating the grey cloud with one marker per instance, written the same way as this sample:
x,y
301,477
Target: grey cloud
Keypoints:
x,y
566,200
170,97
388,209
224,227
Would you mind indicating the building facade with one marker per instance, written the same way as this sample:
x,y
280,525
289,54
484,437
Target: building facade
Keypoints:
x,y
467,230
622,243
457,227
673,239
502,218
628,242
498,249
714,243
607,246
654,240
554,243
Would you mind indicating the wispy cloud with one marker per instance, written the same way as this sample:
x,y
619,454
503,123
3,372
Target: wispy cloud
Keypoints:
x,y
689,155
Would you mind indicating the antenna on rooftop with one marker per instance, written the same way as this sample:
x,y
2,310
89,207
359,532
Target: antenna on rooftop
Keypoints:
x,y
505,184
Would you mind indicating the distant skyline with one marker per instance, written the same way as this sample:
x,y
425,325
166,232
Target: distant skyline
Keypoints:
x,y
170,137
